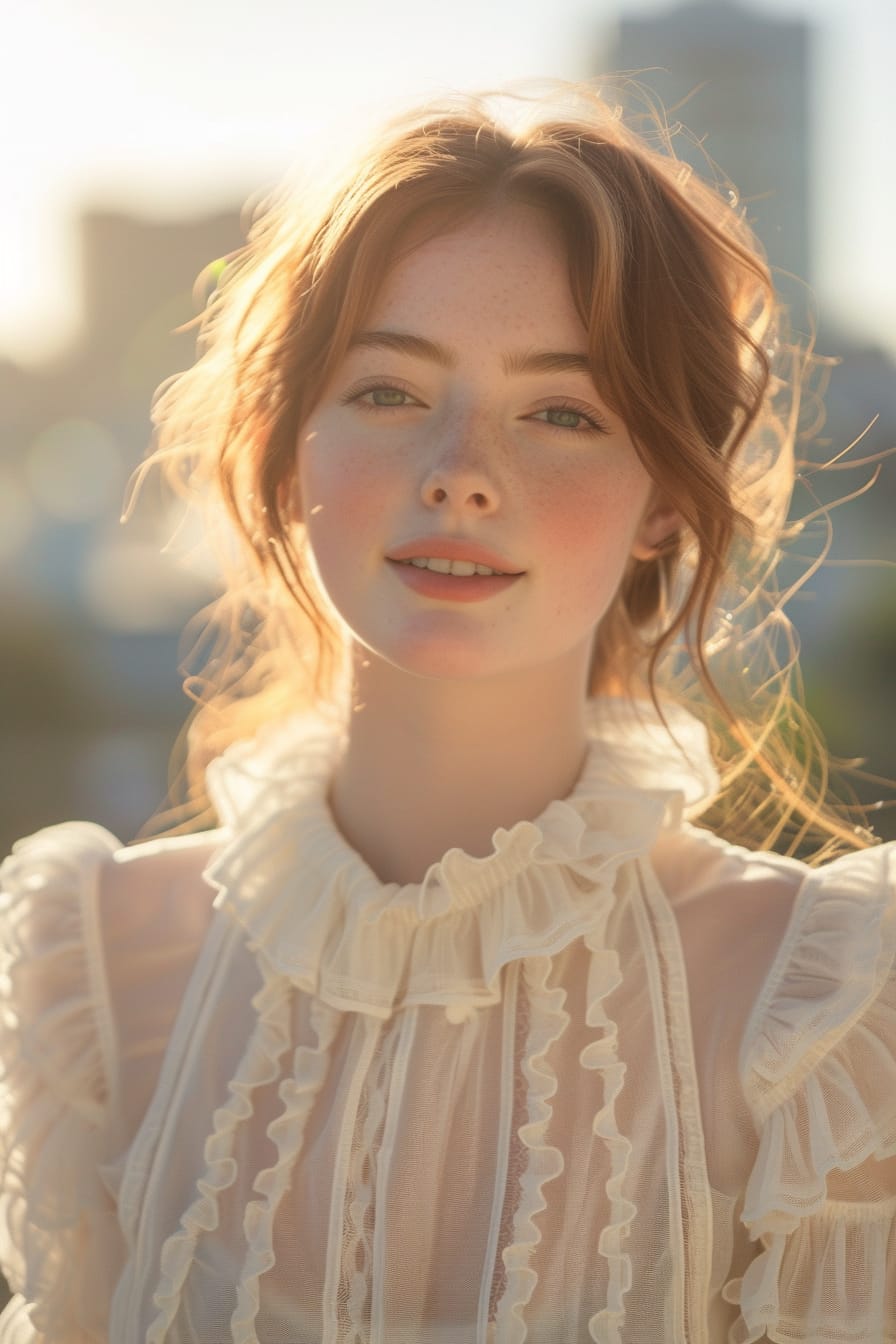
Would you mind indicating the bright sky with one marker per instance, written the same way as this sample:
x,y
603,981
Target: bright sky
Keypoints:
x,y
173,106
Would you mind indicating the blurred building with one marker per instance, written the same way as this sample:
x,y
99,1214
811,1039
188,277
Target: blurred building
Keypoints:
x,y
90,697
740,81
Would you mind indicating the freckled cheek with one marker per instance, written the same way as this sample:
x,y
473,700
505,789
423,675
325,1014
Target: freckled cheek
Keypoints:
x,y
587,535
345,496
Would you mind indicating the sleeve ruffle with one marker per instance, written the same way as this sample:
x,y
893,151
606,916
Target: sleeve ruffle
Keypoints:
x,y
60,1244
818,1066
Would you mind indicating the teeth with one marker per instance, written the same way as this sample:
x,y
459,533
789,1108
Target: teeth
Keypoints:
x,y
463,568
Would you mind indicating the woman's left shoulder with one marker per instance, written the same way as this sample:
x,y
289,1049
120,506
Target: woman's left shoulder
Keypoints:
x,y
835,964
817,1066
822,1033
776,912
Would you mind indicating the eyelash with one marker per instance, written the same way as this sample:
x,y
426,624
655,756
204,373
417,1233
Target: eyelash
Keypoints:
x,y
592,424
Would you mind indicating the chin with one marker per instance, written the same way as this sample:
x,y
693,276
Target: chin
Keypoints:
x,y
444,660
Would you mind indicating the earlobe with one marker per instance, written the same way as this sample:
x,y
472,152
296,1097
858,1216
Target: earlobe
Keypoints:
x,y
658,531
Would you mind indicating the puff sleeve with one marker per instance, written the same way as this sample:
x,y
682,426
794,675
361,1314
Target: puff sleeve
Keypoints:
x,y
60,1245
818,1068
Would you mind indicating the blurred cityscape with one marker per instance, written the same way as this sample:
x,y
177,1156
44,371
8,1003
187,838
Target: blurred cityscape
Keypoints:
x,y
91,699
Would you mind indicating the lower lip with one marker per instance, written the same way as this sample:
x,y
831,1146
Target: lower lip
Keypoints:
x,y
453,587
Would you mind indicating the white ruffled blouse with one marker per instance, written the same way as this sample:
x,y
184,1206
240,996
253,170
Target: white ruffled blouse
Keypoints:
x,y
617,1081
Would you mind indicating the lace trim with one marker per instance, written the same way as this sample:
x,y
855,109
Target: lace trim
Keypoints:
x,y
287,1130
355,1285
549,1020
517,1157
605,975
259,1065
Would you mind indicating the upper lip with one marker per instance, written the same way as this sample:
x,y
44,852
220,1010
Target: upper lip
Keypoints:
x,y
452,548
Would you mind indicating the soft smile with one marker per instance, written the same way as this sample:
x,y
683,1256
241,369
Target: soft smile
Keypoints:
x,y
461,556
441,566
451,580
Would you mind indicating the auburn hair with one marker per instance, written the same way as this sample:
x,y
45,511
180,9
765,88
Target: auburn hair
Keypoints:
x,y
687,343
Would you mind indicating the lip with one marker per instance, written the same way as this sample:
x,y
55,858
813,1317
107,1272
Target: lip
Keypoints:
x,y
451,587
453,548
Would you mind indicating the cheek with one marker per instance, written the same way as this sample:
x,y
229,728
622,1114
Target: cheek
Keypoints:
x,y
588,532
343,492
593,516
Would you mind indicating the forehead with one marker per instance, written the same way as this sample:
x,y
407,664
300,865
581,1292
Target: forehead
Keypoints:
x,y
509,263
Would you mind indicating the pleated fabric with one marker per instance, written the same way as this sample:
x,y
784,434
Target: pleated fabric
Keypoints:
x,y
295,1105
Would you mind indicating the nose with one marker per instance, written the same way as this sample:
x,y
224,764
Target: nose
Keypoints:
x,y
461,471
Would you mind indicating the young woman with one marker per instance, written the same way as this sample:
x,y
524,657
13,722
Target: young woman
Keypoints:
x,y
485,1011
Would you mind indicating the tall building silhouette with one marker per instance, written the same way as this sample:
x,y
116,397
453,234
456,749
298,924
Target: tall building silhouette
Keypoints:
x,y
745,77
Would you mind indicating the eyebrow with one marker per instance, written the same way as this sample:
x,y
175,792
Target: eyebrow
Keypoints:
x,y
419,347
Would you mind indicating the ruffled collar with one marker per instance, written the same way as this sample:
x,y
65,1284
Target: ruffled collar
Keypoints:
x,y
316,913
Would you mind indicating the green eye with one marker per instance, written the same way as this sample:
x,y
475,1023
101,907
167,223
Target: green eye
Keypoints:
x,y
572,419
565,419
387,396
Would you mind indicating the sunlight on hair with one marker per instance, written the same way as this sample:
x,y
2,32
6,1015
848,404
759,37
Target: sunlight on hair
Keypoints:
x,y
689,344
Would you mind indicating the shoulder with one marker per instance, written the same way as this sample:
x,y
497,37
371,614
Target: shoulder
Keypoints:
x,y
160,880
694,863
76,886
52,958
816,946
97,943
817,1068
835,967
55,1077
733,908
77,855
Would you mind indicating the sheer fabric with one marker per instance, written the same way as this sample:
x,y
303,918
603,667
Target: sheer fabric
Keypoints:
x,y
617,1081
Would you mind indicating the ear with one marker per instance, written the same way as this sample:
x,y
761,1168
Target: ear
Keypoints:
x,y
659,526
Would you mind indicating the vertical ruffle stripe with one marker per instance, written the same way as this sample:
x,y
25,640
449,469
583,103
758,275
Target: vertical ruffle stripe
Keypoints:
x,y
259,1065
358,1278
287,1131
605,975
548,1021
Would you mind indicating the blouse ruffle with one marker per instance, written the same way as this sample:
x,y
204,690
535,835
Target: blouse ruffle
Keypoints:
x,y
818,1066
818,1063
358,944
60,1244
319,916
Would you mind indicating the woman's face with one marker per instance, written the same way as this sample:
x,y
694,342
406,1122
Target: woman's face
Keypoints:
x,y
464,414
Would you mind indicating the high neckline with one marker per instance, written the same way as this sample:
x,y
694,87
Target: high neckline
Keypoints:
x,y
317,913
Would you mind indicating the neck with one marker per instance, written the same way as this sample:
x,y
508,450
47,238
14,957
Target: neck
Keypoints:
x,y
431,765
